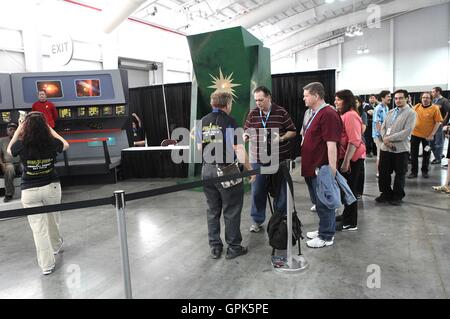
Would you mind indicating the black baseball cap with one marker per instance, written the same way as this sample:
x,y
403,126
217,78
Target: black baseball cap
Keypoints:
x,y
12,124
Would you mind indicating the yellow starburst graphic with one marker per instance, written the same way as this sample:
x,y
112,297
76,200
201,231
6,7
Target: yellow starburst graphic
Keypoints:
x,y
224,83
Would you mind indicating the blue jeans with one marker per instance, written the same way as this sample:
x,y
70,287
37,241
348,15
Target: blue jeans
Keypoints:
x,y
327,217
259,197
437,145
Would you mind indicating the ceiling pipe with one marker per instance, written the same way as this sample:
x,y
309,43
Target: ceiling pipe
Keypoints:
x,y
303,17
343,21
115,15
264,12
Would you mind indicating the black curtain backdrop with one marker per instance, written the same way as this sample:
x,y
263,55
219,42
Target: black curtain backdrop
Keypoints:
x,y
287,91
148,104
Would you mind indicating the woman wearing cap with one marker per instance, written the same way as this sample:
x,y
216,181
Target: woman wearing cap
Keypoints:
x,y
37,145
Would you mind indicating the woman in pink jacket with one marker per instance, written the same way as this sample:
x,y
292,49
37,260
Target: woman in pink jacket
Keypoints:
x,y
352,153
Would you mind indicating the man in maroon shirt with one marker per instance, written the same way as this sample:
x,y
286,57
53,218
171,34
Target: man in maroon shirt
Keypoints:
x,y
322,134
46,107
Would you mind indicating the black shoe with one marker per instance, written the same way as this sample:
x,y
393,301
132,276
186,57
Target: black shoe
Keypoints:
x,y
396,202
216,252
381,199
233,253
425,175
412,175
7,199
342,227
436,161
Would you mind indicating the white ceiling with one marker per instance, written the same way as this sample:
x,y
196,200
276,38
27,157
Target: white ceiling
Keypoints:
x,y
276,22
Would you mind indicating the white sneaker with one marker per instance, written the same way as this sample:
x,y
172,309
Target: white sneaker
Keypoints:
x,y
312,234
48,271
313,209
255,228
60,247
319,243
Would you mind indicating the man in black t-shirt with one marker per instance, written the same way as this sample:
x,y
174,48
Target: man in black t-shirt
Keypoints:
x,y
218,142
369,108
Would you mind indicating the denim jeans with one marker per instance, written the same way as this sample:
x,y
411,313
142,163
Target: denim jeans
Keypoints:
x,y
259,197
437,145
327,217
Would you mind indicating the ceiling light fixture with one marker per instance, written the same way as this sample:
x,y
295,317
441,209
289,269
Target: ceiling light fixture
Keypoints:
x,y
354,31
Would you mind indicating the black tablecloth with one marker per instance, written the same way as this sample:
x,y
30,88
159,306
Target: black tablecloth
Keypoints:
x,y
151,163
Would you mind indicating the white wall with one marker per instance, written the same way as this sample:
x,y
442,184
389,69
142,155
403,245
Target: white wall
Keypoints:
x,y
411,52
422,49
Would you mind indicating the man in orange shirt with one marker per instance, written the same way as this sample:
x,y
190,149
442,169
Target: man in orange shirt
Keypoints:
x,y
46,107
429,119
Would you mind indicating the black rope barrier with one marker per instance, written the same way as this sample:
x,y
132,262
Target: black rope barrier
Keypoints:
x,y
20,212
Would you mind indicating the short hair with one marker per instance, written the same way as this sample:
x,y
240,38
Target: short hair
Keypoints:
x,y
11,124
438,89
427,92
374,95
263,89
383,94
214,99
315,88
42,90
348,98
221,99
404,92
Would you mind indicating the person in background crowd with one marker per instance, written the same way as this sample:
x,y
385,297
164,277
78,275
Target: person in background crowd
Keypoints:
x,y
364,118
395,133
446,186
428,121
351,154
37,145
437,145
46,107
379,115
138,132
369,109
9,166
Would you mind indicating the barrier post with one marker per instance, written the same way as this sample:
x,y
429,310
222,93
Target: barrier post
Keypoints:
x,y
294,264
121,225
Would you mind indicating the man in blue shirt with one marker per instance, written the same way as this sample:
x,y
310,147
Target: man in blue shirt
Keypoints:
x,y
379,116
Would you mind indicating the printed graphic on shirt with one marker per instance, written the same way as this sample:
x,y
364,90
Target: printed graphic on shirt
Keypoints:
x,y
212,134
39,167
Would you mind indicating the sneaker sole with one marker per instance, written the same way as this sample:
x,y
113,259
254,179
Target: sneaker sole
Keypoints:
x,y
327,244
350,229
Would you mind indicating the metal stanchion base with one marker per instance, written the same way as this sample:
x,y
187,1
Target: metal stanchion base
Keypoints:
x,y
280,264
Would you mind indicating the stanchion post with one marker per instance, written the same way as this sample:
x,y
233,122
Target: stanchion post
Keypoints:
x,y
122,227
289,221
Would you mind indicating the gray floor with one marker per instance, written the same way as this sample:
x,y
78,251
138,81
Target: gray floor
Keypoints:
x,y
169,253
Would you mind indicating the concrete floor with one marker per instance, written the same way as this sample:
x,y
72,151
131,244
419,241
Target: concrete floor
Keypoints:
x,y
169,253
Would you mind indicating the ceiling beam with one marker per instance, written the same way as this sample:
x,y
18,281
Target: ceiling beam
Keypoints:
x,y
303,17
113,16
303,38
264,12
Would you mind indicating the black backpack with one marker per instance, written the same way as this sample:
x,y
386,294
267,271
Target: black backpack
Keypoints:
x,y
277,226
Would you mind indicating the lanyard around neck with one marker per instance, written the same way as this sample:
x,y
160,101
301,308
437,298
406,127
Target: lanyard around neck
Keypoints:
x,y
313,117
264,122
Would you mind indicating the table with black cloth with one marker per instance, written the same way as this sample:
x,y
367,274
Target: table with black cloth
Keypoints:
x,y
152,162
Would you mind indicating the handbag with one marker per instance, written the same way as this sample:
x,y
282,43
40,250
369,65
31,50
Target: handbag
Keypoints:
x,y
231,169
